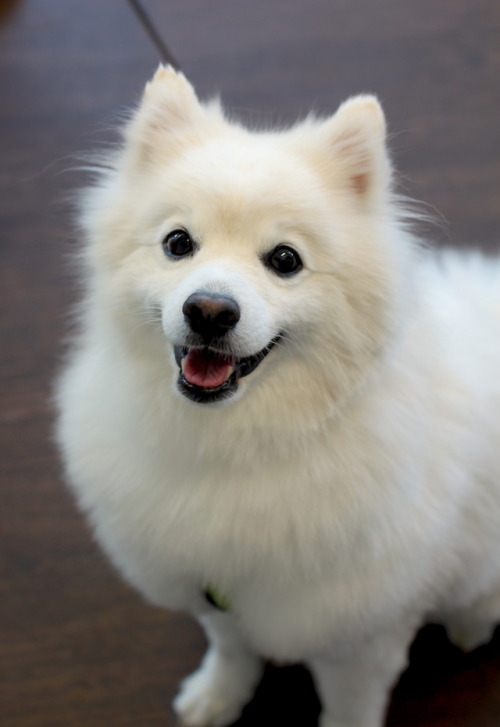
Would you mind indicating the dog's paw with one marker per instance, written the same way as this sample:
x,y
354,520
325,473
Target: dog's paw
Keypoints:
x,y
214,696
199,706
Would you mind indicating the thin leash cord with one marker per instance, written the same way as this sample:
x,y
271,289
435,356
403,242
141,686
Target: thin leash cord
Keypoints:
x,y
154,36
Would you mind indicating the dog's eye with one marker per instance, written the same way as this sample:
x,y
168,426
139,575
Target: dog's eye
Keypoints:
x,y
178,244
284,260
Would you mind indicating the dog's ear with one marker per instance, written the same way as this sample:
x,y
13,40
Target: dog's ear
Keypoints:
x,y
356,150
168,113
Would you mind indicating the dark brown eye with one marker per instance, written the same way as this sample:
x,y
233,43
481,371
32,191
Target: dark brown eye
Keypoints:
x,y
178,244
284,260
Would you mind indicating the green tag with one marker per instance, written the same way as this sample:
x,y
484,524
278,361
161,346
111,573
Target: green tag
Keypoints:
x,y
216,599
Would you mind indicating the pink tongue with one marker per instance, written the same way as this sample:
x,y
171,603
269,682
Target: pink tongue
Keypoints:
x,y
206,369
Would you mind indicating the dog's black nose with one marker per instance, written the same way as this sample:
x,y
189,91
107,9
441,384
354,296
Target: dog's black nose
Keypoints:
x,y
211,315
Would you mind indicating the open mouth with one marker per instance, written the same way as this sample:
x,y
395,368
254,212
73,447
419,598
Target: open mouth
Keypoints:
x,y
208,376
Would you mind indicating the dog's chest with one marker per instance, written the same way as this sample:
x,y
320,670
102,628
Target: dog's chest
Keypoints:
x,y
286,592
255,540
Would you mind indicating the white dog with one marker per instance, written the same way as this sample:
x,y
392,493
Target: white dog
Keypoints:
x,y
280,413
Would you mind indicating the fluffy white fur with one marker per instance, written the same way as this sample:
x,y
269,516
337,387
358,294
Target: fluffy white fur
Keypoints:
x,y
350,490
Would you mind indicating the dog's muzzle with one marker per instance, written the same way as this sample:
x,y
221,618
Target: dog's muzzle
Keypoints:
x,y
209,372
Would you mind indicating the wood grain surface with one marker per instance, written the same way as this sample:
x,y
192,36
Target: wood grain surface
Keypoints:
x,y
77,646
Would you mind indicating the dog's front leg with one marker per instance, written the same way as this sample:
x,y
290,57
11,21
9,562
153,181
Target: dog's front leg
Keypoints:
x,y
354,682
216,693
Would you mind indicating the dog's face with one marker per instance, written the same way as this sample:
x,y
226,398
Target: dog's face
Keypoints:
x,y
267,256
238,247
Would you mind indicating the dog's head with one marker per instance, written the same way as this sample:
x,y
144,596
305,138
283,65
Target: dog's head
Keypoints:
x,y
270,258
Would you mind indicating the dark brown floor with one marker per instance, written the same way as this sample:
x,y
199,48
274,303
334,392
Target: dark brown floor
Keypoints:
x,y
77,648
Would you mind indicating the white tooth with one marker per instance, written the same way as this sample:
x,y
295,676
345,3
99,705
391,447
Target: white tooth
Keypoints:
x,y
229,372
183,363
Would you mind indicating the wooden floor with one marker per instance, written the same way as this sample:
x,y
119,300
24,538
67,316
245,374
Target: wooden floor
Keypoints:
x,y
77,647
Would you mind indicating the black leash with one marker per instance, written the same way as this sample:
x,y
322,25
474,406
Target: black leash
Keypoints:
x,y
150,29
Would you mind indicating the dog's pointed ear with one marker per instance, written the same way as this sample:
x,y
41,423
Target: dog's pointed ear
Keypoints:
x,y
168,111
357,154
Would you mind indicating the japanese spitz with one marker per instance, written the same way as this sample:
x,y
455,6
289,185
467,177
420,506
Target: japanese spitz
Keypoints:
x,y
281,413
